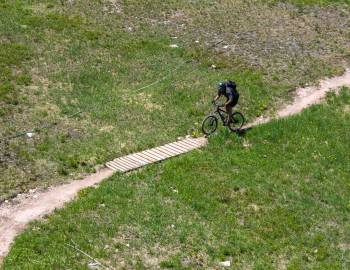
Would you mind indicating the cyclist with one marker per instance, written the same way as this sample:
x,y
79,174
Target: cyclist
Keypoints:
x,y
228,89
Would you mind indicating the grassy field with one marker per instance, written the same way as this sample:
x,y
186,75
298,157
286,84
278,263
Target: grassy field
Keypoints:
x,y
91,56
276,198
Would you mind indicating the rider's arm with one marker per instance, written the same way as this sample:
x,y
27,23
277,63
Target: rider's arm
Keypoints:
x,y
230,99
217,97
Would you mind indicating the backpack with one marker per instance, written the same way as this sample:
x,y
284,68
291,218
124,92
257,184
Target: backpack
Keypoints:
x,y
232,85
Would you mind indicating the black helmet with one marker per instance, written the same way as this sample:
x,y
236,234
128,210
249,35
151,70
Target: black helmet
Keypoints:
x,y
221,86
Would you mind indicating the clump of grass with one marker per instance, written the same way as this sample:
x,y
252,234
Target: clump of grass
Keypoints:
x,y
12,56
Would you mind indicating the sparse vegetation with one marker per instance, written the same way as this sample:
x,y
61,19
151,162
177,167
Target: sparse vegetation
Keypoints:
x,y
276,198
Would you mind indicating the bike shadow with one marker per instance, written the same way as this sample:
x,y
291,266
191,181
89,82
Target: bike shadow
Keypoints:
x,y
243,131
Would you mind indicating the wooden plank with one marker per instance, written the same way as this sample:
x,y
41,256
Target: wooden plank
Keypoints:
x,y
171,146
117,166
168,146
179,147
152,155
157,154
166,152
192,142
150,158
185,146
137,159
108,164
128,163
166,149
141,157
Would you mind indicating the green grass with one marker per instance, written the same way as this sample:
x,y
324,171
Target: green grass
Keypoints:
x,y
276,198
90,56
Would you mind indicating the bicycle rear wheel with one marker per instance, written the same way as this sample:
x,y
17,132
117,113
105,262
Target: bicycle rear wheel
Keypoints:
x,y
237,122
209,125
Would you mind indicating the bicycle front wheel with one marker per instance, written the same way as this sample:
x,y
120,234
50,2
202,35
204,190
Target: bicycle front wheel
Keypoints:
x,y
237,122
209,125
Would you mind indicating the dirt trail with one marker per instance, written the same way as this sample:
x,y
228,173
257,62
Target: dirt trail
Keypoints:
x,y
305,97
17,213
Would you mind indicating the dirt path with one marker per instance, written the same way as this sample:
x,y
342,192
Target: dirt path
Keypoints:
x,y
17,213
305,97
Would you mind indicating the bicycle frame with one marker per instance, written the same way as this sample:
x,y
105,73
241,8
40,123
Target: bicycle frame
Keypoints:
x,y
221,113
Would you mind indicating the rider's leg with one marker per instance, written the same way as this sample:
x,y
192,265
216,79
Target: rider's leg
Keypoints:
x,y
230,106
229,112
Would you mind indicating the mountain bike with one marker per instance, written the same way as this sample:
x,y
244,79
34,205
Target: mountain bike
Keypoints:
x,y
210,123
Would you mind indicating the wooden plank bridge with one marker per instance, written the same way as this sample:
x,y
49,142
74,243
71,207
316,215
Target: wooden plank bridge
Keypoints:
x,y
137,160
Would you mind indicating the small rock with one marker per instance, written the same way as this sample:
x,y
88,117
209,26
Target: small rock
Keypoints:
x,y
93,265
35,196
197,41
6,201
225,263
32,190
172,226
213,66
225,47
30,134
102,205
174,46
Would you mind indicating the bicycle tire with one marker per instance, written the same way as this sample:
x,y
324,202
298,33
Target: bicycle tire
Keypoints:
x,y
213,123
237,122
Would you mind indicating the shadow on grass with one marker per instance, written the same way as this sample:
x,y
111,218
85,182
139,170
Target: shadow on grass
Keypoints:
x,y
242,132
